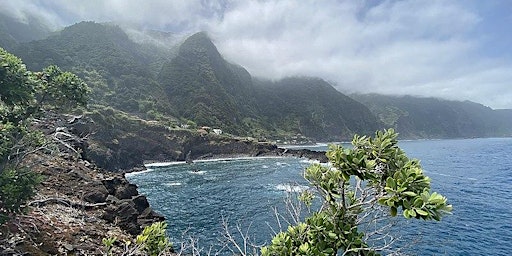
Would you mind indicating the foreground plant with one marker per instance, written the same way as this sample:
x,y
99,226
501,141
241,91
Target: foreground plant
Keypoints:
x,y
151,241
359,189
24,97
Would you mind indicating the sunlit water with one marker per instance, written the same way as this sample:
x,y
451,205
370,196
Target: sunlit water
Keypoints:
x,y
475,175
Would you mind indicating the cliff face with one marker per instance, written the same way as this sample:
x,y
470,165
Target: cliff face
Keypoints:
x,y
118,142
76,205
416,117
81,201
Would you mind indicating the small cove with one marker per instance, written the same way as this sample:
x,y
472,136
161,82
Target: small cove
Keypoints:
x,y
475,175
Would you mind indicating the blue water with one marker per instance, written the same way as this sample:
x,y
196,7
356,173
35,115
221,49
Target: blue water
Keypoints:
x,y
475,175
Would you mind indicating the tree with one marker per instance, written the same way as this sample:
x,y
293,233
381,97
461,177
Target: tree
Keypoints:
x,y
374,179
25,95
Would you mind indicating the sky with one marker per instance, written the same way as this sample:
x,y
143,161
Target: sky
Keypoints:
x,y
452,49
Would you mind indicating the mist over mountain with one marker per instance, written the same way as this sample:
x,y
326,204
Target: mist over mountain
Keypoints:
x,y
13,31
416,117
188,81
312,107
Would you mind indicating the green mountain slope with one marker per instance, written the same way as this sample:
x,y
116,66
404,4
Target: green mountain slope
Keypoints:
x,y
415,117
213,92
312,107
13,31
117,69
207,89
193,82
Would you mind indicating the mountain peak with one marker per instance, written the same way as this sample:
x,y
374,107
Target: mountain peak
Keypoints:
x,y
199,45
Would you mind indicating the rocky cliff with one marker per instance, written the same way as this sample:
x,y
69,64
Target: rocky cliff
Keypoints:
x,y
119,142
77,204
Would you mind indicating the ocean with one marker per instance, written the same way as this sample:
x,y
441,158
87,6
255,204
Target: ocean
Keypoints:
x,y
474,174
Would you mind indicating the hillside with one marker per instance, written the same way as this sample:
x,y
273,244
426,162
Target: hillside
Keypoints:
x,y
120,72
207,89
415,117
193,84
13,32
312,107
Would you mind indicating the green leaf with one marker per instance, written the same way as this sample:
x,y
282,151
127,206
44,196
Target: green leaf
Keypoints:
x,y
393,211
409,193
421,212
390,182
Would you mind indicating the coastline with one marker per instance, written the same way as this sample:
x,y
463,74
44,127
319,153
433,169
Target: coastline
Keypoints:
x,y
276,153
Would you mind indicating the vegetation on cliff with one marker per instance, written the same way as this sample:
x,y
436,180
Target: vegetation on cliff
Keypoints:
x,y
40,144
192,82
24,95
416,117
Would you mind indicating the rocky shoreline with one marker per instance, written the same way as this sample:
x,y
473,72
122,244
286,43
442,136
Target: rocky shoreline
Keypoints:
x,y
85,197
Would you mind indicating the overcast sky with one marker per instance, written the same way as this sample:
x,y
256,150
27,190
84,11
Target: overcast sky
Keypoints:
x,y
444,48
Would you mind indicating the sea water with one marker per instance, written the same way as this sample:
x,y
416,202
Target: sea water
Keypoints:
x,y
474,174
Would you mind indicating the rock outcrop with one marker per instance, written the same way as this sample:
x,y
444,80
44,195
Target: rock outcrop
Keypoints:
x,y
118,142
77,204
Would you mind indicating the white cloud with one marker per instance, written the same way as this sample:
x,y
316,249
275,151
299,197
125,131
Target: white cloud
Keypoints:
x,y
395,47
416,47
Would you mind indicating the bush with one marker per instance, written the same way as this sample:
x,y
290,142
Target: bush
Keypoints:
x,y
16,186
361,185
151,241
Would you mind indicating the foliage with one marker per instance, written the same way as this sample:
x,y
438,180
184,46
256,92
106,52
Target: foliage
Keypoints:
x,y
23,96
119,71
416,117
151,241
60,89
374,173
314,108
16,186
196,84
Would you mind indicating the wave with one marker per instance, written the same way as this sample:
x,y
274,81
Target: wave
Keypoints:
x,y
309,161
451,176
129,174
227,159
164,164
197,172
314,146
173,184
282,163
223,159
291,188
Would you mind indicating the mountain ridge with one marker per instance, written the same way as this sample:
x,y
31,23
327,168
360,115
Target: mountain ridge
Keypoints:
x,y
196,85
427,117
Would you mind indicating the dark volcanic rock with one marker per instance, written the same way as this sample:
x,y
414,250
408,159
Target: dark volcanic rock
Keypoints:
x,y
149,216
112,184
96,196
141,203
127,191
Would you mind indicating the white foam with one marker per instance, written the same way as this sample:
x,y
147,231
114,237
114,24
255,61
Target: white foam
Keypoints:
x,y
227,159
282,164
173,184
309,161
129,174
197,172
224,159
291,188
163,164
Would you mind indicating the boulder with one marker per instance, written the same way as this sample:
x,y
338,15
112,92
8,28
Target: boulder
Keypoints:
x,y
96,196
140,202
127,191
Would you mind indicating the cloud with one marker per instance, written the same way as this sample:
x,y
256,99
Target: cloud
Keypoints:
x,y
430,48
395,47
